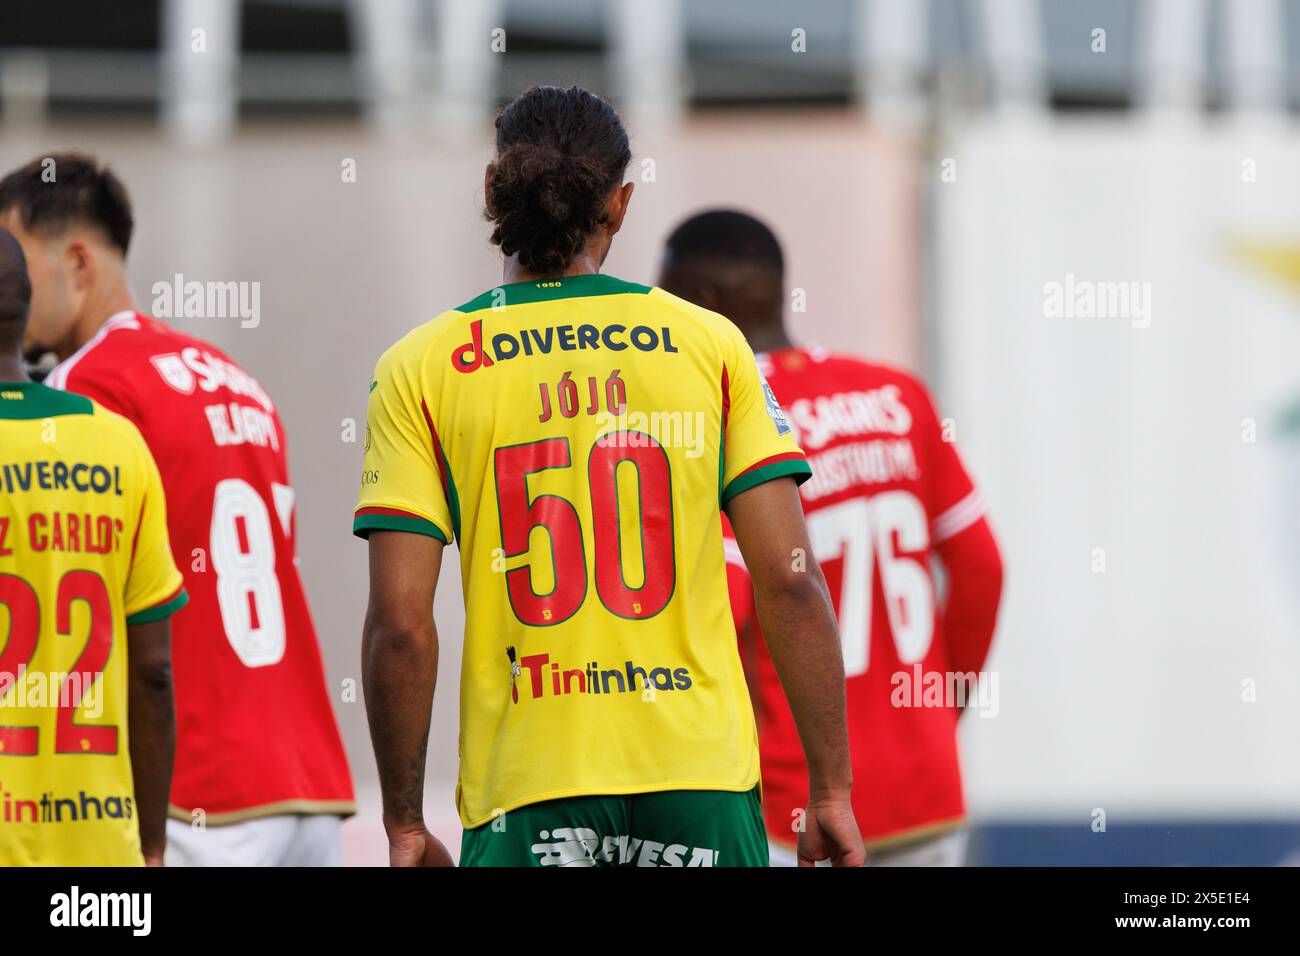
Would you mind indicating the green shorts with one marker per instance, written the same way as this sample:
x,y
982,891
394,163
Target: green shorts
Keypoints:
x,y
673,828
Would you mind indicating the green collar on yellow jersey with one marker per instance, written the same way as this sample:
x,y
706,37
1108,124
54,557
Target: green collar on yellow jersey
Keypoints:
x,y
543,290
27,400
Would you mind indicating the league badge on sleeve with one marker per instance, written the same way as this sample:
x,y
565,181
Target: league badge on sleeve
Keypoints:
x,y
774,409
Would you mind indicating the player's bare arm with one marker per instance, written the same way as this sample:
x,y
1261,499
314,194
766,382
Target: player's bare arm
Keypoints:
x,y
795,612
152,722
399,668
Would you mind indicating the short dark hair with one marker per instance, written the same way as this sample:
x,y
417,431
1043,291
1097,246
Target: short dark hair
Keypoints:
x,y
725,235
559,153
55,192
15,286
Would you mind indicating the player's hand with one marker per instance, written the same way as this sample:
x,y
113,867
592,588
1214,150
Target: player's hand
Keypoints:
x,y
830,832
153,859
416,847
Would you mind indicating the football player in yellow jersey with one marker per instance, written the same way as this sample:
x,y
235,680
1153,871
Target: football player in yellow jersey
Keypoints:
x,y
578,436
87,584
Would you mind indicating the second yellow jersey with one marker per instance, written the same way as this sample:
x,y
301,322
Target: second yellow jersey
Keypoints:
x,y
577,438
83,553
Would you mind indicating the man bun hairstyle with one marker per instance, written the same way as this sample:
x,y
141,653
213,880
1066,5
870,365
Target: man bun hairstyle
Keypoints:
x,y
559,153
55,192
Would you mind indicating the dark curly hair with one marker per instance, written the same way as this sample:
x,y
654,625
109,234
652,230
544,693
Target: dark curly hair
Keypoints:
x,y
15,287
559,153
54,192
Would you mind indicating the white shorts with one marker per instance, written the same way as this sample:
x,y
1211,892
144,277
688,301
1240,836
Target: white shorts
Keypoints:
x,y
946,849
294,839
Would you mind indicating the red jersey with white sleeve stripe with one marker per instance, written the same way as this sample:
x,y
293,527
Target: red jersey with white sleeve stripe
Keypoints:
x,y
256,734
887,494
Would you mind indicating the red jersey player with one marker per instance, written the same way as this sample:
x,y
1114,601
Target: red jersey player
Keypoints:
x,y
888,493
259,760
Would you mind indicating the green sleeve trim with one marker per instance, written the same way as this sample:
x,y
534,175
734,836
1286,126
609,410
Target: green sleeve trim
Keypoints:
x,y
160,611
796,468
364,524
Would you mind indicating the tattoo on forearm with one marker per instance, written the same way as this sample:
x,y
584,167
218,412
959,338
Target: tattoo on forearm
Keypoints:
x,y
414,796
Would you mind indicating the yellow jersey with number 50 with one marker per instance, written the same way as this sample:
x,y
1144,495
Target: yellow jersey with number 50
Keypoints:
x,y
83,553
577,437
